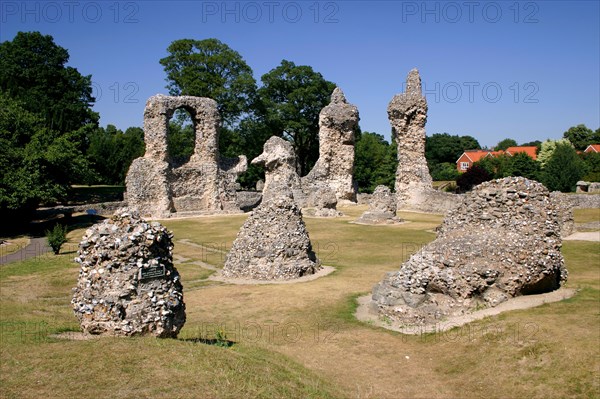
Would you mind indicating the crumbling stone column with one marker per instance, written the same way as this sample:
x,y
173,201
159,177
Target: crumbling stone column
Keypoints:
x,y
407,113
335,166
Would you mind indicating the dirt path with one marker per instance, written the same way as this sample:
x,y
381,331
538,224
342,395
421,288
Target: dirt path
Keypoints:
x,y
584,236
37,246
365,313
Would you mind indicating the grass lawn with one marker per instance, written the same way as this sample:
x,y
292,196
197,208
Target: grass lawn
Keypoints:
x,y
12,245
299,340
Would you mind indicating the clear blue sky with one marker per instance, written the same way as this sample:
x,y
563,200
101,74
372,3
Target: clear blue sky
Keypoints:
x,y
491,69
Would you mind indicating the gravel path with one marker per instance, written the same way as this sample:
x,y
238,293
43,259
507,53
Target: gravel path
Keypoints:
x,y
37,247
584,236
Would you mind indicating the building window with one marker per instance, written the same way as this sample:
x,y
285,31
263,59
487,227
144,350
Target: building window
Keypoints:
x,y
464,165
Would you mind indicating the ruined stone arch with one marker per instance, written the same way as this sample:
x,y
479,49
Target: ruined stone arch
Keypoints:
x,y
204,184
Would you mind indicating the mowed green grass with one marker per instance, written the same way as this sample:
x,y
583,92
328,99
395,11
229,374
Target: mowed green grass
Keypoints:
x,y
299,340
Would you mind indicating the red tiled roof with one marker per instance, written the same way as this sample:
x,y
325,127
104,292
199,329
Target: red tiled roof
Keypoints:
x,y
475,155
593,147
529,150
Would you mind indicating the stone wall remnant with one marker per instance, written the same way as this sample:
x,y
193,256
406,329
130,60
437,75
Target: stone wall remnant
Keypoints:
x,y
273,243
335,167
127,283
206,183
502,241
382,208
407,113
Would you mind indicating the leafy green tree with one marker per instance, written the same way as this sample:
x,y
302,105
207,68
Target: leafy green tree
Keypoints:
x,y
535,143
442,147
504,144
290,101
444,171
374,162
580,136
210,68
111,152
563,169
37,165
547,149
33,71
522,164
57,237
592,166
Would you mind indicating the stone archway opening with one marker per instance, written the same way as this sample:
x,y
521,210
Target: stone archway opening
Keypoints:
x,y
181,137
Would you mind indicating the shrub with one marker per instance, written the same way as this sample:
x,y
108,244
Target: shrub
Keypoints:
x,y
472,177
57,237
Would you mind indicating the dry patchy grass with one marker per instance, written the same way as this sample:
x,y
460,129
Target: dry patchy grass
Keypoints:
x,y
13,244
301,340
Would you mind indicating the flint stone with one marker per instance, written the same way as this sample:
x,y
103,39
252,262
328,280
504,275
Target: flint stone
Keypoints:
x,y
486,252
273,243
127,283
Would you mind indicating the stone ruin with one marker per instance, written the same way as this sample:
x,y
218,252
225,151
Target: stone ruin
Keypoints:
x,y
334,170
127,282
502,241
407,113
382,208
205,184
273,243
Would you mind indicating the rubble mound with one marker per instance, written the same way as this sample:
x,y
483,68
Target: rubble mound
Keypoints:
x,y
502,241
127,282
323,202
382,208
273,243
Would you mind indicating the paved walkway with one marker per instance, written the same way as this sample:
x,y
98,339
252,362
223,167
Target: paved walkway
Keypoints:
x,y
37,247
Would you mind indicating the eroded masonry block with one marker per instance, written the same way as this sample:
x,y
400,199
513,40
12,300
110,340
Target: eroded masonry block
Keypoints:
x,y
407,113
205,184
335,166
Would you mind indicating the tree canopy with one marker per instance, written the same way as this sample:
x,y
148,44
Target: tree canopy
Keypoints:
x,y
375,162
290,100
45,112
210,68
33,71
563,169
504,144
581,136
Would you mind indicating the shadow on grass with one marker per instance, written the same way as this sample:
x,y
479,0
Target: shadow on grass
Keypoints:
x,y
224,343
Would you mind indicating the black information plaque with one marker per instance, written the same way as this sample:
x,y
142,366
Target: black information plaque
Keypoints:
x,y
147,273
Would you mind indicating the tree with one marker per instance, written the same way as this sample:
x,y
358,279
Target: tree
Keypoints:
x,y
290,101
547,149
37,164
472,177
210,68
374,162
592,166
111,152
580,136
535,143
522,164
444,171
33,71
563,169
442,151
446,148
504,144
